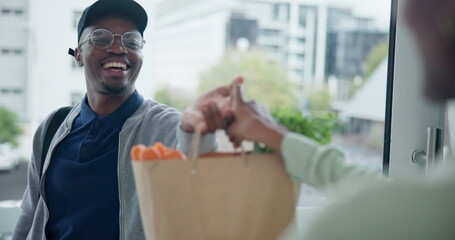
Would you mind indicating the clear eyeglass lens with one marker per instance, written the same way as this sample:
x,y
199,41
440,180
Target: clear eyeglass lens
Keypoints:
x,y
132,40
103,39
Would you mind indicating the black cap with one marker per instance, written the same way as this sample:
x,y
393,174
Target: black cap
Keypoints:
x,y
127,8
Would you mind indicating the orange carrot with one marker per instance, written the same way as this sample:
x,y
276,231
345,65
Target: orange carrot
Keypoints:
x,y
156,152
151,153
136,151
159,147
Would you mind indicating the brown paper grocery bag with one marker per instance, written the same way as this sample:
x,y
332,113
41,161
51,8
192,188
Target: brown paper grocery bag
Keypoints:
x,y
226,197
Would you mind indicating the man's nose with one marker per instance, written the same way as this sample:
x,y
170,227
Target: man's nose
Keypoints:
x,y
117,46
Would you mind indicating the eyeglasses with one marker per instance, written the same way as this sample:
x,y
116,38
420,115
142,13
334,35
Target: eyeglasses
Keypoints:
x,y
103,39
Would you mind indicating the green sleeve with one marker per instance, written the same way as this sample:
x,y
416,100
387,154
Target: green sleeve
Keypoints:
x,y
321,166
369,207
408,211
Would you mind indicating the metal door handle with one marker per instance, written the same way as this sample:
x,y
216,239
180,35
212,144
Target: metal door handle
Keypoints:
x,y
429,158
434,147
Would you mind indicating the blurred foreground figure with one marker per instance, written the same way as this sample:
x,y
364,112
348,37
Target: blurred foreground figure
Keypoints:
x,y
365,205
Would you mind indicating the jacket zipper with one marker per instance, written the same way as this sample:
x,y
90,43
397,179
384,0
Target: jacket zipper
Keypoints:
x,y
42,177
120,188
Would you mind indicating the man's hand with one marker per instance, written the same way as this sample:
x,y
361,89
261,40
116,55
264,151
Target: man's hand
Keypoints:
x,y
211,111
251,121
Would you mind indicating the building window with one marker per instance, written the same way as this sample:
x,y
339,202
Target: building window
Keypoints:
x,y
298,72
288,12
76,16
6,11
19,11
11,51
271,48
303,16
276,12
270,32
15,91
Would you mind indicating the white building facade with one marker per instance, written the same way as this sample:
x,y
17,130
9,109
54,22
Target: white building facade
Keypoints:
x,y
13,56
189,36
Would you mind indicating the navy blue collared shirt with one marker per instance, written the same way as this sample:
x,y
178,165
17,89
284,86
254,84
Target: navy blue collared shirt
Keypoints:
x,y
81,181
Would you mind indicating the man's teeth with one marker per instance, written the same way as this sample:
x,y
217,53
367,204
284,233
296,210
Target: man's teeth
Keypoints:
x,y
115,65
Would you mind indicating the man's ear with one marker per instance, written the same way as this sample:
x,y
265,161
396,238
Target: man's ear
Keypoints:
x,y
78,57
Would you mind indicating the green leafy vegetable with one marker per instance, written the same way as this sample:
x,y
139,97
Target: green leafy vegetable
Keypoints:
x,y
317,127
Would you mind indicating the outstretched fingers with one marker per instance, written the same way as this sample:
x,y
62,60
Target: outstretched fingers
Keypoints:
x,y
213,117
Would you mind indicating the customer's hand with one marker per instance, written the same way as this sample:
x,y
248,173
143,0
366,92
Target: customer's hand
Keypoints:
x,y
251,121
210,111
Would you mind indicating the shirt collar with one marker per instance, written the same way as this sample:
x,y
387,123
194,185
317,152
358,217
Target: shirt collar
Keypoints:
x,y
87,115
118,117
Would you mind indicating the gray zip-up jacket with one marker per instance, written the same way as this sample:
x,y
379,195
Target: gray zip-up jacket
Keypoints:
x,y
152,122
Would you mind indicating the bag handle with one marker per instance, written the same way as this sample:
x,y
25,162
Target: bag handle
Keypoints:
x,y
194,150
55,123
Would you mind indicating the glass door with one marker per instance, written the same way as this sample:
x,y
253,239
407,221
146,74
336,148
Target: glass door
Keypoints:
x,y
411,114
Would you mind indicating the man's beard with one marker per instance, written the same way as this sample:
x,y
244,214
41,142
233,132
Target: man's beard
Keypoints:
x,y
122,91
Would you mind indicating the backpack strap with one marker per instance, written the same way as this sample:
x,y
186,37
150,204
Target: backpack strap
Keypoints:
x,y
55,123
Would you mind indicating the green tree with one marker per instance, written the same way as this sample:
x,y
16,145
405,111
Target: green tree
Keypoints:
x,y
174,97
319,100
9,129
265,81
377,54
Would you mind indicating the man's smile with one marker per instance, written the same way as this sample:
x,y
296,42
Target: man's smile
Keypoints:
x,y
115,66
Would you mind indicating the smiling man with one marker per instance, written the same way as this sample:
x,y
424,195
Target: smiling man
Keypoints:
x,y
86,190
112,62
